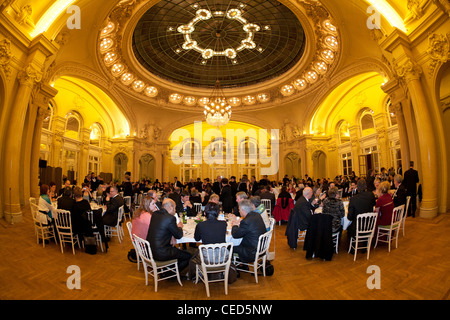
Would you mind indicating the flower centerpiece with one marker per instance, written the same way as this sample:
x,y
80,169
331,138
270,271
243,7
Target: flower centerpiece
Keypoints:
x,y
199,218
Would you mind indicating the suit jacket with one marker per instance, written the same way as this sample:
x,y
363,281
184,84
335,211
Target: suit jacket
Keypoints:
x,y
66,203
112,210
363,202
250,228
304,210
211,231
162,227
227,199
399,196
410,180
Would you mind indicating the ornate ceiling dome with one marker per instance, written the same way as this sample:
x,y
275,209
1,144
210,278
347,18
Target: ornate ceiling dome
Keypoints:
x,y
262,51
239,43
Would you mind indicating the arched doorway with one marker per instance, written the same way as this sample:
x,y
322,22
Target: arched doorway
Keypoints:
x,y
292,165
120,166
147,167
319,159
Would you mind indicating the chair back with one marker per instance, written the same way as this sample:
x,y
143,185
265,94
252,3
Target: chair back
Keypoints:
x,y
397,216
63,221
365,224
198,207
263,244
127,201
216,255
129,226
272,223
405,212
268,204
33,200
34,209
143,248
120,215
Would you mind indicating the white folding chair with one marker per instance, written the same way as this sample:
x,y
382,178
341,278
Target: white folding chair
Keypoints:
x,y
168,269
33,200
260,256
405,212
138,201
215,259
127,201
391,231
98,237
43,232
272,253
116,230
365,228
198,207
268,205
335,237
129,226
64,227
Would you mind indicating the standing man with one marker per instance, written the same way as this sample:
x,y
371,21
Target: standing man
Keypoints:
x,y
410,180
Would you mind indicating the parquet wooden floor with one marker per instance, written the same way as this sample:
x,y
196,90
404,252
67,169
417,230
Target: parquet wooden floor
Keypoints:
x,y
418,270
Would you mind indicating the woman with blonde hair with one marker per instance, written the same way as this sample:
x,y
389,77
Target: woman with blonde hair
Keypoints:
x,y
142,216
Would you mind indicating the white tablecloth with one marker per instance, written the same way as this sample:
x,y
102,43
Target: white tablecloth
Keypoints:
x,y
189,230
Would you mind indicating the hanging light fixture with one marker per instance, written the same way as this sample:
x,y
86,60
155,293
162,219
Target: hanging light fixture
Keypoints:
x,y
218,110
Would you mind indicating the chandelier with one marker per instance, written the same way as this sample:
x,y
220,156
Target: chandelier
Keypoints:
x,y
217,110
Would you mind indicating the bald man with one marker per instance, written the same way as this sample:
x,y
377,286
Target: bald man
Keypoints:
x,y
304,208
163,227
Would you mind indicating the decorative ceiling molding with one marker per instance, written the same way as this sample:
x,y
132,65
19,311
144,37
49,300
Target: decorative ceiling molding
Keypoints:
x,y
321,57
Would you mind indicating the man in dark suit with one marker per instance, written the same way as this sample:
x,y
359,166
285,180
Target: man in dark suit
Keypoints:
x,y
66,201
304,208
217,185
176,197
113,202
410,180
267,194
249,229
226,197
363,202
162,228
400,193
186,205
254,186
177,184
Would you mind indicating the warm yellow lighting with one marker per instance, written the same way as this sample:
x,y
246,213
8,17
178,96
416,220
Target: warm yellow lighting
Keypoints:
x,y
389,13
50,16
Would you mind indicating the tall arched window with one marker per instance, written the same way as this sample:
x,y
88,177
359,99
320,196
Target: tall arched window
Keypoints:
x,y
72,126
367,124
96,134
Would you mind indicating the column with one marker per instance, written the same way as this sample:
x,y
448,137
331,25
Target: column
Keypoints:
x,y
411,72
354,139
13,142
383,139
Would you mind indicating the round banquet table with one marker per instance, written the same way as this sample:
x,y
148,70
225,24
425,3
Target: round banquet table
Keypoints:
x,y
189,230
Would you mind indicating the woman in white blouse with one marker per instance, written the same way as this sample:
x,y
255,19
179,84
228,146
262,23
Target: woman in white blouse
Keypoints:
x,y
46,210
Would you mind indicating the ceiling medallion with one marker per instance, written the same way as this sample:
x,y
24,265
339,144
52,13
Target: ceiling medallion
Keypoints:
x,y
207,53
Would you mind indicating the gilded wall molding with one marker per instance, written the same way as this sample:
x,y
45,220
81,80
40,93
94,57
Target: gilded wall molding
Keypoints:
x,y
5,57
438,50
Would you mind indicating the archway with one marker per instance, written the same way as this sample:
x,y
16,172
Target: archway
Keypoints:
x,y
319,159
120,166
147,167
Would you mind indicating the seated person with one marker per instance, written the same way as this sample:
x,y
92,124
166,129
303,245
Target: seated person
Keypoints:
x,y
186,205
113,202
249,229
241,195
195,197
66,201
334,207
261,209
46,211
162,228
142,216
80,222
384,205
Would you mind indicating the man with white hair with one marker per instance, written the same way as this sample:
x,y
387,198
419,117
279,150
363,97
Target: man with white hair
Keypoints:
x,y
304,207
400,193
